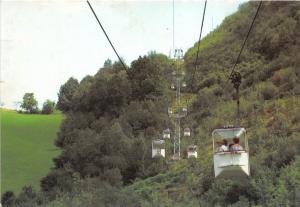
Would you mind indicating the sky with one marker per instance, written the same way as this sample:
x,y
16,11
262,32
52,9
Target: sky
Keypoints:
x,y
45,42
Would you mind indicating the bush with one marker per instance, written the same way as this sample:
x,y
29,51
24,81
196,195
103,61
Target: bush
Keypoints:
x,y
206,98
209,81
8,199
56,181
91,193
285,78
28,198
268,91
296,117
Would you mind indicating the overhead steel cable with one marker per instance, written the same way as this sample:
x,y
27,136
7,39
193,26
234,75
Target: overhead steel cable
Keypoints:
x,y
236,77
106,35
173,25
197,56
242,48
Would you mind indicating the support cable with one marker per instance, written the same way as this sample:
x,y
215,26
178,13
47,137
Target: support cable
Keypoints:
x,y
242,48
199,41
235,76
173,27
106,35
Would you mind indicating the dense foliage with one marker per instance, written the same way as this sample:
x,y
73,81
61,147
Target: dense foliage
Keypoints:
x,y
48,107
112,117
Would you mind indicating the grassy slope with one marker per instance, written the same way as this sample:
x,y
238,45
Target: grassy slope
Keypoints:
x,y
26,148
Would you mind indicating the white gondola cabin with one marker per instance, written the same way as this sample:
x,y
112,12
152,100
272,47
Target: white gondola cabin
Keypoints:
x,y
158,148
170,110
192,151
231,153
187,132
172,86
167,134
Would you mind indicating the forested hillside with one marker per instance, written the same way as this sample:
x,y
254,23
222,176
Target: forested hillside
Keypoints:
x,y
270,106
112,117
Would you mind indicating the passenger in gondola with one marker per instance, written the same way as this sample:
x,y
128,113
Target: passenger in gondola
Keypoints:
x,y
223,145
236,145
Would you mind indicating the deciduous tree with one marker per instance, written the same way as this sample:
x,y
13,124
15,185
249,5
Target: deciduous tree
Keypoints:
x,y
29,103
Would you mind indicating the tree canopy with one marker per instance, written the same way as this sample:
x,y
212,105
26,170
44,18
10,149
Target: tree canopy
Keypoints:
x,y
29,103
48,107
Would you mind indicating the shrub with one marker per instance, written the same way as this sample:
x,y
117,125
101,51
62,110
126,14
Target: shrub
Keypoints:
x,y
209,81
8,199
286,78
28,198
206,98
56,181
296,117
92,192
268,91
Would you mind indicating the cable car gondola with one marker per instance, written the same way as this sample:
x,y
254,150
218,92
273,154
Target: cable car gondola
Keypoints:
x,y
167,134
192,151
231,163
158,148
170,110
187,132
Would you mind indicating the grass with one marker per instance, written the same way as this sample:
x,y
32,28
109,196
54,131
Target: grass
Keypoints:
x,y
210,40
27,148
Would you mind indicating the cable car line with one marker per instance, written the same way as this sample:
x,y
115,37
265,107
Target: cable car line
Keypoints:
x,y
173,4
242,48
106,35
196,60
198,49
233,162
235,77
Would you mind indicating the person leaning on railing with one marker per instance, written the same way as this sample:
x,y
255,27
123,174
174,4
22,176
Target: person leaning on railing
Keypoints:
x,y
223,145
236,145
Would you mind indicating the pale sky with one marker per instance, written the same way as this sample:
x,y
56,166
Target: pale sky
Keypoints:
x,y
45,42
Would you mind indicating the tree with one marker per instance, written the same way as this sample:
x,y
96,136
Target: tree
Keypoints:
x,y
146,77
8,199
48,107
29,103
66,93
107,63
27,196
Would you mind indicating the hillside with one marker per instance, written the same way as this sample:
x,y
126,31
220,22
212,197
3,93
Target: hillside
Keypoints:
x,y
112,117
270,107
26,148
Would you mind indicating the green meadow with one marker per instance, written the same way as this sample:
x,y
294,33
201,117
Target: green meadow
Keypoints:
x,y
27,148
